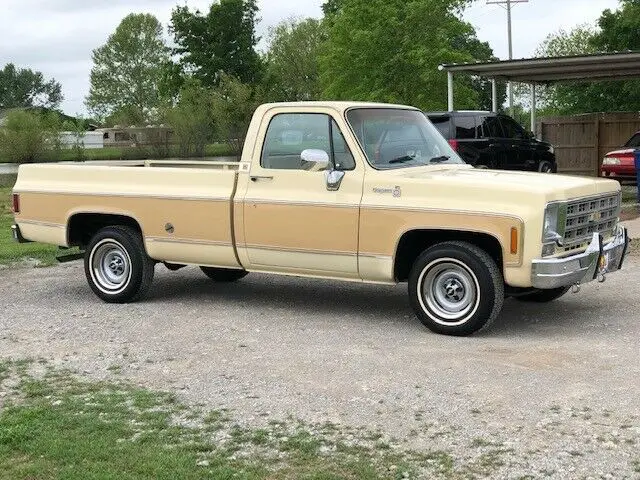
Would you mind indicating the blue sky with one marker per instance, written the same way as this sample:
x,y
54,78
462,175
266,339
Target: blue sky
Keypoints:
x,y
56,37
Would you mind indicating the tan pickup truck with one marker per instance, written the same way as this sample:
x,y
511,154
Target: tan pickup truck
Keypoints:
x,y
346,191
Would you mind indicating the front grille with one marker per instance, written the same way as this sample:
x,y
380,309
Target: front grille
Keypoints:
x,y
588,216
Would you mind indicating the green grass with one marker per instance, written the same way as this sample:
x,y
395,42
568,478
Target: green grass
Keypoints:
x,y
629,194
54,426
11,251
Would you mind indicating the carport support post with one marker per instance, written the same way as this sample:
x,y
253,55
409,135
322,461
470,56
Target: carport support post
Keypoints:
x,y
450,91
494,96
533,108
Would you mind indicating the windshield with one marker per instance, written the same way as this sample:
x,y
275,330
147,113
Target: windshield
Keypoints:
x,y
396,138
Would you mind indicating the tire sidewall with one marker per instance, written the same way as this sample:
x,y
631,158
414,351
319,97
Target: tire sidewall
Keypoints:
x,y
132,251
547,164
484,283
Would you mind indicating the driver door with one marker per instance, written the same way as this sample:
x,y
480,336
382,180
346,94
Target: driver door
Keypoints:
x,y
292,222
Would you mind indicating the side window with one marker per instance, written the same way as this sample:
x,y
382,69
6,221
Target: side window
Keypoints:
x,y
511,128
289,134
341,154
491,127
634,142
465,127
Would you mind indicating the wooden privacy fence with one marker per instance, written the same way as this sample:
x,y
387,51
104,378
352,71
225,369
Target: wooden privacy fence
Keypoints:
x,y
581,141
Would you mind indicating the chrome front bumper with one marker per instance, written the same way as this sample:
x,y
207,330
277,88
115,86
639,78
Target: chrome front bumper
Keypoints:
x,y
596,261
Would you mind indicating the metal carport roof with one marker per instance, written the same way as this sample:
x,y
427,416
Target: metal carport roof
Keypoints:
x,y
545,70
596,67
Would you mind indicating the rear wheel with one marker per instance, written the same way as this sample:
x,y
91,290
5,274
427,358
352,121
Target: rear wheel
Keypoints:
x,y
224,274
117,266
543,296
456,288
545,167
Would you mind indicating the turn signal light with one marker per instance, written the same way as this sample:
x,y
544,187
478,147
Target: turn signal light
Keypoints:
x,y
454,144
16,203
514,240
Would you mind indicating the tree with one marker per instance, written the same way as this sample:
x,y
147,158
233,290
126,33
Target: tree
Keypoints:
x,y
389,50
192,119
233,105
24,88
128,68
126,116
481,51
30,136
292,71
222,41
617,31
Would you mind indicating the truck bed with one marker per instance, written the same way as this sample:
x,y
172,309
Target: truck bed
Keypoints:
x,y
183,208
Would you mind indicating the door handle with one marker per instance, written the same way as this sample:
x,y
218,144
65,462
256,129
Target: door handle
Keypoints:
x,y
255,178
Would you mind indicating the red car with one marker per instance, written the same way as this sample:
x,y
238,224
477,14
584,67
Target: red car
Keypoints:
x,y
620,164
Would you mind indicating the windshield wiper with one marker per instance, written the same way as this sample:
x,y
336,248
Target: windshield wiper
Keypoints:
x,y
404,158
440,159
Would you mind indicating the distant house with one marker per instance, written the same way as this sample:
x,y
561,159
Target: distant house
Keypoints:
x,y
87,140
118,136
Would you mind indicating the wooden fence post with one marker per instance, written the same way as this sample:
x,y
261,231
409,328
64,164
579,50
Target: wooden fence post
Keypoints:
x,y
597,144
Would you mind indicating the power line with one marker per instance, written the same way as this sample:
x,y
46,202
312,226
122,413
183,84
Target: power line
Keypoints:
x,y
507,5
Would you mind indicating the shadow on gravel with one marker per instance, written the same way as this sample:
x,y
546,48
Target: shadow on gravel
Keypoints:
x,y
257,294
260,293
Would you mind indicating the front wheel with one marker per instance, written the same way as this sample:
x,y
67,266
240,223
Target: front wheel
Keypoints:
x,y
117,266
456,288
543,296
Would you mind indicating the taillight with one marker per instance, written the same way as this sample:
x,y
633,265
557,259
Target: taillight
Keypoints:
x,y
16,203
454,144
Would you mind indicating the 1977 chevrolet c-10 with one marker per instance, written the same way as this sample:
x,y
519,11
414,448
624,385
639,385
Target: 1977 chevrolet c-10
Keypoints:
x,y
339,190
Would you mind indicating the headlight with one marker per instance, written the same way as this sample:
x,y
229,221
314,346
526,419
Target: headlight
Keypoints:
x,y
610,161
551,223
551,149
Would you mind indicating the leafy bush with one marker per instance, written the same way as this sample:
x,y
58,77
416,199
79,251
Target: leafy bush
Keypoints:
x,y
233,105
192,119
78,131
29,137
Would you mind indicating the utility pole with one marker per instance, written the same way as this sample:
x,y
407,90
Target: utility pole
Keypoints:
x,y
508,3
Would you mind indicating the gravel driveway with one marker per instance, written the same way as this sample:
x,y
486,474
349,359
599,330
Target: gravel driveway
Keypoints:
x,y
555,386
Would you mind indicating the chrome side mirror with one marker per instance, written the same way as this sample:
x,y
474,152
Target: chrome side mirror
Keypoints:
x,y
319,159
334,179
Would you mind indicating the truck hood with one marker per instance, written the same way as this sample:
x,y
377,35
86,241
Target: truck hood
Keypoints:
x,y
550,186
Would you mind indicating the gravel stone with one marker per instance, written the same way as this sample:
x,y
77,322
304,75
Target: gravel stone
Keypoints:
x,y
552,390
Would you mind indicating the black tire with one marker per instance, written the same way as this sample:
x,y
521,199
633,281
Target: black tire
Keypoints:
x,y
453,269
546,167
117,266
224,274
543,296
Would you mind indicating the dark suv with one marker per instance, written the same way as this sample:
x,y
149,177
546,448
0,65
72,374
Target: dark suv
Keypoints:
x,y
490,140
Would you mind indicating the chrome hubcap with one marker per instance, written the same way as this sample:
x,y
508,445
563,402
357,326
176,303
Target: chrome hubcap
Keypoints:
x,y
110,266
450,291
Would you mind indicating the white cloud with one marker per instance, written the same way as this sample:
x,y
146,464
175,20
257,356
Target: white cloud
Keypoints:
x,y
56,37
